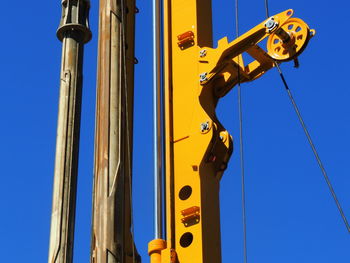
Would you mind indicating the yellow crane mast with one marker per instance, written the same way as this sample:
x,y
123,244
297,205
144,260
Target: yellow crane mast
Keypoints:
x,y
197,146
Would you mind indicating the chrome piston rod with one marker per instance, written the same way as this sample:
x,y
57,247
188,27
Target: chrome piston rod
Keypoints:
x,y
158,120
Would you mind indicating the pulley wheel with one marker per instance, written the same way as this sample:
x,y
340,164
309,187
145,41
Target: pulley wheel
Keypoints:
x,y
282,49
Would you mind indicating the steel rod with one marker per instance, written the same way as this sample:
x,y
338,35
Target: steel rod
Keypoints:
x,y
74,32
157,121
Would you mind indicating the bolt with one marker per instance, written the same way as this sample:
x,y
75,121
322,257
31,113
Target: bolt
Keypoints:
x,y
205,126
203,77
203,53
271,24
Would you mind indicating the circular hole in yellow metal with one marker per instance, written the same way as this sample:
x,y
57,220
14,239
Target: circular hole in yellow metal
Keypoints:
x,y
185,192
186,239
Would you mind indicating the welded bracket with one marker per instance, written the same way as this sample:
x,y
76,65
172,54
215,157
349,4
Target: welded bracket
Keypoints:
x,y
287,39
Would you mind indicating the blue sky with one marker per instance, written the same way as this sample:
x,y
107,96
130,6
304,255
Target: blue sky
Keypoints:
x,y
291,216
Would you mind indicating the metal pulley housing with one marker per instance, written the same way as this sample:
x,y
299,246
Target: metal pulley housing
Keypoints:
x,y
75,18
290,40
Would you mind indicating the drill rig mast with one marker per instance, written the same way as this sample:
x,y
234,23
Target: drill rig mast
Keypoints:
x,y
197,147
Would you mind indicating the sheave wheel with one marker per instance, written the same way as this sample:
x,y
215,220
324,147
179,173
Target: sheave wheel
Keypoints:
x,y
299,36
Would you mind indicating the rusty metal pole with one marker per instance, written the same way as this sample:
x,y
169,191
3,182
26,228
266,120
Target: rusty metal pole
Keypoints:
x,y
112,239
74,32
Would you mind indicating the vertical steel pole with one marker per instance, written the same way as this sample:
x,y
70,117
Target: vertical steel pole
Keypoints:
x,y
74,32
112,239
157,121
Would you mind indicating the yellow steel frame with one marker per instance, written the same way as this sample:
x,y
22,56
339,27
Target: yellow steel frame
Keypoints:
x,y
198,147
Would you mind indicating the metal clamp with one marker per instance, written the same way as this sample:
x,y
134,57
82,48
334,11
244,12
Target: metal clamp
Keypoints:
x,y
75,18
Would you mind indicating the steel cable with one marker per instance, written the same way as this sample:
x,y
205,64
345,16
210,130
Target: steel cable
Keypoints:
x,y
314,150
240,113
312,145
267,8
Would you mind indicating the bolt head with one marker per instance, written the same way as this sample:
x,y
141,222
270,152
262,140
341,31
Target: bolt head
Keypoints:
x,y
205,126
203,53
271,24
203,77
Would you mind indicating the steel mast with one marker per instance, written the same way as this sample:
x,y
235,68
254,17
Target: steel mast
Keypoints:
x,y
112,239
74,32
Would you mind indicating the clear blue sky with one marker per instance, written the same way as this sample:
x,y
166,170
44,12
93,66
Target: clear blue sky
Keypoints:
x,y
291,216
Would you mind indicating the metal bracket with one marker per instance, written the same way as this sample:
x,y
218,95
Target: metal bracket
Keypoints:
x,y
191,216
75,18
186,40
225,63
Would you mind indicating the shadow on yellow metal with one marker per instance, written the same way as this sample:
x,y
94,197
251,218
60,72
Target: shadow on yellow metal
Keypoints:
x,y
197,146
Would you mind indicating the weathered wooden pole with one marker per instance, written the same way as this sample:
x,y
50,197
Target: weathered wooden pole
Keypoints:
x,y
112,239
74,32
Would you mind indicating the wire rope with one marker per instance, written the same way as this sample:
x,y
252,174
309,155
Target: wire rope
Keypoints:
x,y
240,113
267,8
308,136
313,147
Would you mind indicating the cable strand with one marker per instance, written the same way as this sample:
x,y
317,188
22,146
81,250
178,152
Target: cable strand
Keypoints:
x,y
240,113
313,147
308,136
267,8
